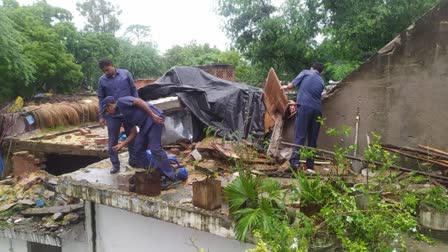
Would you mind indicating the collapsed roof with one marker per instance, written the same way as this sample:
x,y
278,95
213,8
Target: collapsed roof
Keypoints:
x,y
232,109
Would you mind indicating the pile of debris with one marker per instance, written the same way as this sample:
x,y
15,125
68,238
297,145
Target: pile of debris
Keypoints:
x,y
31,203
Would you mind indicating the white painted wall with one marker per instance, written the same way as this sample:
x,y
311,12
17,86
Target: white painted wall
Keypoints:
x,y
17,245
74,246
119,230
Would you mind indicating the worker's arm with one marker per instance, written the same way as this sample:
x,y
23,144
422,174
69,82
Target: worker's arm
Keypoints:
x,y
100,93
125,143
143,105
132,85
296,82
287,87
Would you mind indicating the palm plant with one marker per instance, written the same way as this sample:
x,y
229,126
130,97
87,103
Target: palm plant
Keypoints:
x,y
255,203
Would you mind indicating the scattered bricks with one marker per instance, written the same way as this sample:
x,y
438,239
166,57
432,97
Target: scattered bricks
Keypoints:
x,y
126,182
48,137
207,194
91,135
68,136
84,142
23,163
77,133
84,131
36,161
101,141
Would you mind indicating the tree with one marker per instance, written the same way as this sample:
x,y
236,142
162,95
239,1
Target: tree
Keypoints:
x,y
16,68
142,60
102,15
192,54
349,31
55,68
243,19
137,33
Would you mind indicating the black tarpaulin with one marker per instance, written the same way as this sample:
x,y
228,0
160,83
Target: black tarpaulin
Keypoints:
x,y
233,109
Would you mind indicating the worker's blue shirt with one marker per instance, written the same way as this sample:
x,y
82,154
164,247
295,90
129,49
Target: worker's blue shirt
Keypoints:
x,y
310,85
119,86
135,115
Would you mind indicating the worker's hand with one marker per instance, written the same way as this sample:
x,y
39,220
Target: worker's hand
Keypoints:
x,y
118,147
158,119
102,122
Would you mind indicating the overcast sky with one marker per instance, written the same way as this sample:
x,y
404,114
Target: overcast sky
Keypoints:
x,y
172,22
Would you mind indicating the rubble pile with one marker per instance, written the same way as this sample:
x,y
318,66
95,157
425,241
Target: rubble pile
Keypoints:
x,y
31,203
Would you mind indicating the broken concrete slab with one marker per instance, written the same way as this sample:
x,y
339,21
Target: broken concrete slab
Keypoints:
x,y
52,210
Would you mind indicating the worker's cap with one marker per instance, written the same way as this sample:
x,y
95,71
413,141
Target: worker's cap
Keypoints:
x,y
105,102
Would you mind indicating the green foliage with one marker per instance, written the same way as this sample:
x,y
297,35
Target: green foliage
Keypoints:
x,y
255,203
310,191
142,60
348,31
192,54
137,33
101,15
16,68
437,198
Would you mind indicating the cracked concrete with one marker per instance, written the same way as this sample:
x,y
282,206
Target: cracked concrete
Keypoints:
x,y
95,183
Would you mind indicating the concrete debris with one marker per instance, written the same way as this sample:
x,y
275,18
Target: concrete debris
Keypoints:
x,y
24,195
196,155
27,202
58,216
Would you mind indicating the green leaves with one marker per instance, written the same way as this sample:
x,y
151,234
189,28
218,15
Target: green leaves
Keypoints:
x,y
102,16
255,203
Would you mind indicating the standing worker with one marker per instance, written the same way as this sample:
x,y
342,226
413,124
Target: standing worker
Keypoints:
x,y
117,83
309,106
149,119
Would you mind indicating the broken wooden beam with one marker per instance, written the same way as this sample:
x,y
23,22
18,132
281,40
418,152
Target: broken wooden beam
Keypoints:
x,y
274,144
426,153
434,150
442,178
417,157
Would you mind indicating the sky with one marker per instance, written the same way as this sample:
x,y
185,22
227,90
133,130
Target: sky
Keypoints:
x,y
172,22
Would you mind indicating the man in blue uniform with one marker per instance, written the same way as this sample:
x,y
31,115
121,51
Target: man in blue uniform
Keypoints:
x,y
150,121
309,106
116,83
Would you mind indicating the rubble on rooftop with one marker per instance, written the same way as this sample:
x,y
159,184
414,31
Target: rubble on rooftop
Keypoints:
x,y
30,203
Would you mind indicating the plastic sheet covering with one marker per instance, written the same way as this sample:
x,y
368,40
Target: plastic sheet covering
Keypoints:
x,y
226,106
178,127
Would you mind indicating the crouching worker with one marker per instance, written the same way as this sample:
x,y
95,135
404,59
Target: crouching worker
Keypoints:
x,y
150,121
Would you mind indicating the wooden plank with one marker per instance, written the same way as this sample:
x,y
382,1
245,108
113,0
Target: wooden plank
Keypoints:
x,y
274,98
52,210
443,179
417,157
425,153
273,149
441,152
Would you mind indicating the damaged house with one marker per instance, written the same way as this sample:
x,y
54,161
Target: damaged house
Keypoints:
x,y
400,93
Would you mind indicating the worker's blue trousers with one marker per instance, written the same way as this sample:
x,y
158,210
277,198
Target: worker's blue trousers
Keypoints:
x,y
306,128
113,131
153,137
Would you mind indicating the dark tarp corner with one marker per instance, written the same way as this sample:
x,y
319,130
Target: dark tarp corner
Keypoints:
x,y
234,109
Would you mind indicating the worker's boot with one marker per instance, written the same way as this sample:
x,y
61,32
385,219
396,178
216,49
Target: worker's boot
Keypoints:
x,y
114,169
